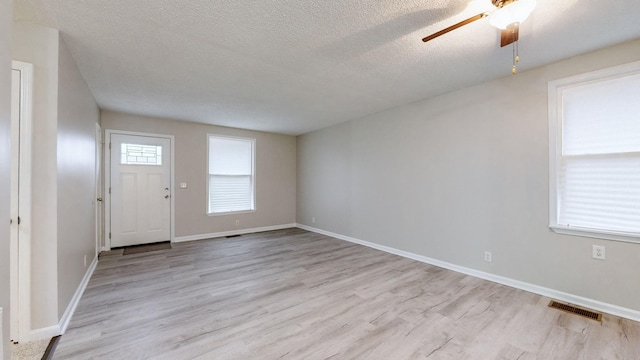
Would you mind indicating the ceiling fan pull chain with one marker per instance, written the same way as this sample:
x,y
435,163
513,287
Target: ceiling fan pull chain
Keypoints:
x,y
513,69
516,57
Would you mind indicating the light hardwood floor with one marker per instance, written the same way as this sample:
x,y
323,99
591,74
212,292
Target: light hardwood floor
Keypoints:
x,y
292,294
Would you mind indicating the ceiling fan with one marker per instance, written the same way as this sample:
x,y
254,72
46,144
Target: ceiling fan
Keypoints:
x,y
507,17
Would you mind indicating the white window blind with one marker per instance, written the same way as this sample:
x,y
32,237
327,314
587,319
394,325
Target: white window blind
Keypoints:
x,y
231,178
597,159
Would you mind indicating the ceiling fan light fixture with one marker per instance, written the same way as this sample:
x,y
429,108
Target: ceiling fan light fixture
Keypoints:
x,y
514,12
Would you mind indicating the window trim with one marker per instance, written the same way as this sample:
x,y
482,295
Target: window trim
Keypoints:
x,y
555,92
253,175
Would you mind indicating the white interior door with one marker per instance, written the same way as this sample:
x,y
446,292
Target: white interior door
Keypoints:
x,y
140,189
15,206
20,200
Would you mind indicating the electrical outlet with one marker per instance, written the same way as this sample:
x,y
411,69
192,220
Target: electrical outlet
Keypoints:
x,y
313,220
598,252
487,256
237,222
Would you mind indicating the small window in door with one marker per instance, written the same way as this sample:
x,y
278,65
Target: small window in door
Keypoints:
x,y
137,154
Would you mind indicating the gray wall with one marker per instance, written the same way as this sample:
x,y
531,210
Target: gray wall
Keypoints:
x,y
5,166
63,172
463,173
275,174
78,114
39,46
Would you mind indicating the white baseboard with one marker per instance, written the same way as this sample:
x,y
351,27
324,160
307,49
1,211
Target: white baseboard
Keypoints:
x,y
232,232
536,289
43,333
61,327
71,308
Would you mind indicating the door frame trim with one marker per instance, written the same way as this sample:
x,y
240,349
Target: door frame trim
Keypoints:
x,y
107,181
20,254
99,188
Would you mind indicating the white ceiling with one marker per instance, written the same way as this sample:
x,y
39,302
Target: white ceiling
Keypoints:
x,y
294,66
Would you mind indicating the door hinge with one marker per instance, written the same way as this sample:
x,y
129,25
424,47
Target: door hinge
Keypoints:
x,y
109,190
19,220
109,146
109,235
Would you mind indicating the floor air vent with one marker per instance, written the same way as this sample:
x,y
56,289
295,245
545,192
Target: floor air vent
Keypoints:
x,y
576,310
232,236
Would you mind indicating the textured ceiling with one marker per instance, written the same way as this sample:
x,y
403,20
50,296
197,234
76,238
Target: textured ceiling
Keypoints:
x,y
294,66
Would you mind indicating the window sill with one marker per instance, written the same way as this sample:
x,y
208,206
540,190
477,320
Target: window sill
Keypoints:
x,y
231,213
598,234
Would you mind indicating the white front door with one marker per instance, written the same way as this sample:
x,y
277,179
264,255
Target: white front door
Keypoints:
x,y
140,189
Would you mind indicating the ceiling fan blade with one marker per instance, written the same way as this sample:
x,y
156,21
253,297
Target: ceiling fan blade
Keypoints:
x,y
509,35
453,27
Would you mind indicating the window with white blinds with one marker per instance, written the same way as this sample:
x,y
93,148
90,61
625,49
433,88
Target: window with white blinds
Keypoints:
x,y
595,154
231,174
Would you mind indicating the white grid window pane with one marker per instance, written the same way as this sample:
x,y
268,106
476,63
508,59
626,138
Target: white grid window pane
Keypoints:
x,y
136,154
230,193
597,164
231,184
602,117
601,193
230,156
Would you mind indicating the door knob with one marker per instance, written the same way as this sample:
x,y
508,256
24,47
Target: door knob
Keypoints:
x,y
99,199
166,196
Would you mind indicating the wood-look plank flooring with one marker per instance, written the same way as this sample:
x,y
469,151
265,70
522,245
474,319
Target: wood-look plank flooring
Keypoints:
x,y
292,294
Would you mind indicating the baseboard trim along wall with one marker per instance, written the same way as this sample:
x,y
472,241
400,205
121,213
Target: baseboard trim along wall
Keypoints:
x,y
61,327
73,304
232,232
43,333
536,289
